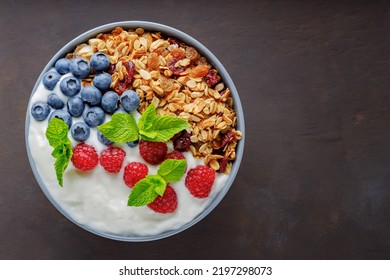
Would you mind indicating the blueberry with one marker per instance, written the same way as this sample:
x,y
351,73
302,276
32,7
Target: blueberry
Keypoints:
x,y
63,115
76,106
40,110
110,102
102,81
62,66
133,144
130,100
103,139
91,95
80,131
54,101
100,61
94,116
70,86
79,67
50,79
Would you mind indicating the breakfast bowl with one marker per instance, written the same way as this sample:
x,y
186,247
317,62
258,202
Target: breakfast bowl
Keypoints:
x,y
134,131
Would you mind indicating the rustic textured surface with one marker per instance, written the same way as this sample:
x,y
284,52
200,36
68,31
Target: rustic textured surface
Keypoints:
x,y
314,81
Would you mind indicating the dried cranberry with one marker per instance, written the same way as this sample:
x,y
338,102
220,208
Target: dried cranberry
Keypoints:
x,y
112,69
175,70
123,84
173,40
183,142
222,164
176,136
227,138
212,77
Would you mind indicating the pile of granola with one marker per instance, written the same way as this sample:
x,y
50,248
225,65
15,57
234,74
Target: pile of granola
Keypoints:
x,y
179,81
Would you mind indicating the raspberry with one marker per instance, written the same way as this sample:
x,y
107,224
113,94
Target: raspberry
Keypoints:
x,y
166,203
153,152
112,159
199,180
175,155
134,172
84,157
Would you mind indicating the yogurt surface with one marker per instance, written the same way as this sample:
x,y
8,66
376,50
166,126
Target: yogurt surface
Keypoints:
x,y
98,199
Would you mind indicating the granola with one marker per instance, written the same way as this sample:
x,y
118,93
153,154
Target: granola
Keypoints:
x,y
179,81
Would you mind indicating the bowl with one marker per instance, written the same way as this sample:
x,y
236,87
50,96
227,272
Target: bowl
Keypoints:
x,y
188,40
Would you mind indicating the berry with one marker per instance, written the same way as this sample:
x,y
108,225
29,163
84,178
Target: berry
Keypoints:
x,y
123,84
84,157
100,61
175,155
91,95
130,100
80,131
103,139
212,78
134,172
175,70
40,110
102,81
112,159
199,180
63,115
110,102
54,101
94,116
133,144
182,142
75,106
166,203
70,86
153,152
223,162
50,79
79,67
62,66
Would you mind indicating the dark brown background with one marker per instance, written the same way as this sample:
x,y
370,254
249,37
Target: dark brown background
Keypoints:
x,y
314,81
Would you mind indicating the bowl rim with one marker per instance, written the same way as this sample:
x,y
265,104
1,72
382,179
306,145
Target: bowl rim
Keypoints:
x,y
188,40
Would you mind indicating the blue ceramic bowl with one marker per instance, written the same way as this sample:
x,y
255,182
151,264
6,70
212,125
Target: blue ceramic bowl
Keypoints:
x,y
168,31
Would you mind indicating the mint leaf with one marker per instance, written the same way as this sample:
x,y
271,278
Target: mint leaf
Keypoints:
x,y
166,127
159,128
146,120
62,161
171,170
146,190
57,132
122,128
57,135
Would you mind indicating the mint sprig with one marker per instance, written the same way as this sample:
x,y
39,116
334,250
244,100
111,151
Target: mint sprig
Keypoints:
x,y
57,135
159,128
147,189
123,128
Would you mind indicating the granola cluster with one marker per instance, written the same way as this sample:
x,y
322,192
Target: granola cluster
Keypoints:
x,y
179,81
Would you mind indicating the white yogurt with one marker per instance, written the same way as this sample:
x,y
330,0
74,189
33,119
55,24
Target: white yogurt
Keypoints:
x,y
98,199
